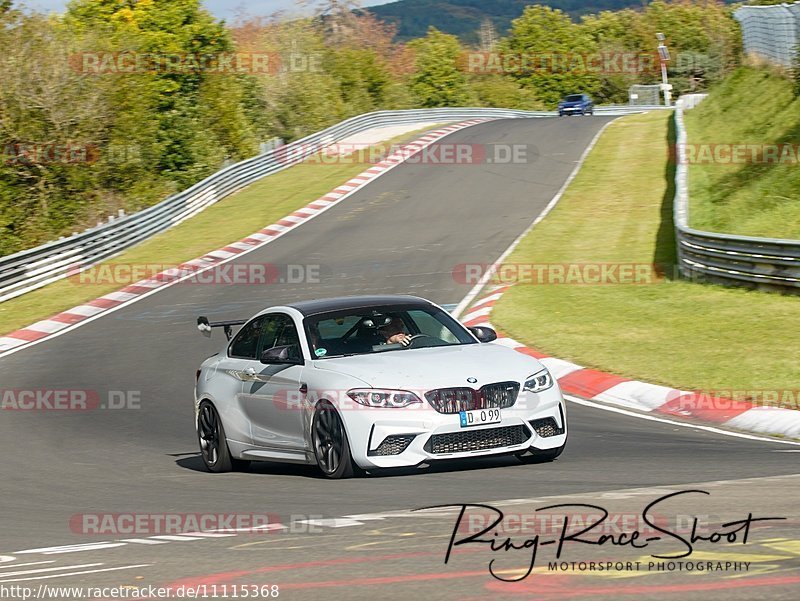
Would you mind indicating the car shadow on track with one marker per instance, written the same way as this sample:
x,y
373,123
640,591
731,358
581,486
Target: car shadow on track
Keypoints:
x,y
193,462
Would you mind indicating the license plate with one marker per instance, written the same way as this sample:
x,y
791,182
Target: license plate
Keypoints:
x,y
479,417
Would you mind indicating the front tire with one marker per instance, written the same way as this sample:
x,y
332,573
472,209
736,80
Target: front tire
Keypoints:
x,y
331,447
213,444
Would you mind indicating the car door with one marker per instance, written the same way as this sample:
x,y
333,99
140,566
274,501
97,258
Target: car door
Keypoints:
x,y
271,396
235,368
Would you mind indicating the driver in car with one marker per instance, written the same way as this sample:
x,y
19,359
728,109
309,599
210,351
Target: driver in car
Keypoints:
x,y
395,333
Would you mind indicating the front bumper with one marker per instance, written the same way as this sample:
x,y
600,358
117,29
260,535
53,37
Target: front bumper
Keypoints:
x,y
385,438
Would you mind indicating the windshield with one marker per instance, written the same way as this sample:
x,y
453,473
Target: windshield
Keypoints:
x,y
574,98
372,329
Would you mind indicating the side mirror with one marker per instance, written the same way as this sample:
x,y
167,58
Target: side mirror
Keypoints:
x,y
484,334
281,355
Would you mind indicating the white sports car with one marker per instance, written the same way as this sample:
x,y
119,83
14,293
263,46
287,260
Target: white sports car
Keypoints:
x,y
371,382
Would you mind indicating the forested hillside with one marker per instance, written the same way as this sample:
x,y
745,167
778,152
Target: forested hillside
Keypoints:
x,y
464,17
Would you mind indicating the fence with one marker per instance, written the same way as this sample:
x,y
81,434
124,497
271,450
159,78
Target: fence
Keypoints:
x,y
28,270
771,32
766,263
647,95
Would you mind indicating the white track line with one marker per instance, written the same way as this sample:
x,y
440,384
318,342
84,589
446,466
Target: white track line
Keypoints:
x,y
467,300
22,565
55,569
140,565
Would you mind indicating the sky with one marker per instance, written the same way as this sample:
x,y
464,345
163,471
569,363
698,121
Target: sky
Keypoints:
x,y
226,9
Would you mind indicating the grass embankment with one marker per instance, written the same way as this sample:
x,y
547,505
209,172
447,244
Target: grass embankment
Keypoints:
x,y
690,336
741,196
229,220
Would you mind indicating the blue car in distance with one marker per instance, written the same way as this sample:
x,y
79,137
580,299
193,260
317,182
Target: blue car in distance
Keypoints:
x,y
576,104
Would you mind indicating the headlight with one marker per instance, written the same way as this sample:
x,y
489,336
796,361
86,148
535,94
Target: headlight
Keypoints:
x,y
375,397
539,381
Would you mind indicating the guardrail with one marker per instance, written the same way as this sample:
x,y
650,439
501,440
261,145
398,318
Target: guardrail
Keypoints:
x,y
764,263
30,269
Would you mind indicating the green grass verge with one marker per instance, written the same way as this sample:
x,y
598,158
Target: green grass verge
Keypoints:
x,y
229,220
752,106
675,333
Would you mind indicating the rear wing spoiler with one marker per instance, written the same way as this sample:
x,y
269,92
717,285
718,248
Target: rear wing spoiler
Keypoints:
x,y
206,326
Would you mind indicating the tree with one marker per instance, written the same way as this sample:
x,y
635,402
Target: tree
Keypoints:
x,y
617,35
550,54
504,92
338,18
437,79
137,136
57,114
186,105
703,38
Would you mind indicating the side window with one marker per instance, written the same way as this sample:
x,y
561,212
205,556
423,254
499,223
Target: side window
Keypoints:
x,y
245,344
287,336
279,330
263,333
271,330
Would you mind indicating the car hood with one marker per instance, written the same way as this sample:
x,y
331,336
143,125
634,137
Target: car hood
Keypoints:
x,y
438,367
573,103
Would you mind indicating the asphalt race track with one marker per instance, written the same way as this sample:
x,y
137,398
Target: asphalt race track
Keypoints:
x,y
404,233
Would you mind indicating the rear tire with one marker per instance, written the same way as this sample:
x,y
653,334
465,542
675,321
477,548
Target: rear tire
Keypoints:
x,y
213,444
331,447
